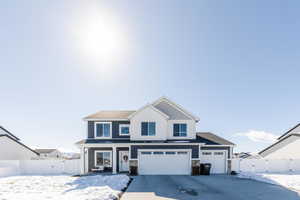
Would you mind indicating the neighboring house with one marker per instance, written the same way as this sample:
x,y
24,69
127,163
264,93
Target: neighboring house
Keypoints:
x,y
159,138
286,147
13,149
51,154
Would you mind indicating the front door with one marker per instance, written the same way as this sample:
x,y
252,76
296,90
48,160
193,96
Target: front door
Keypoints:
x,y
123,161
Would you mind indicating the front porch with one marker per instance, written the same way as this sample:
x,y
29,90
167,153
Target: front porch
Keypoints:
x,y
108,160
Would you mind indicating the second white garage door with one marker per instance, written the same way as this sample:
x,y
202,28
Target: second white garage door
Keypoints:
x,y
164,162
216,158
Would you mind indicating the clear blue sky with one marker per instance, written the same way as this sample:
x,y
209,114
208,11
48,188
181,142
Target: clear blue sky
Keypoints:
x,y
233,64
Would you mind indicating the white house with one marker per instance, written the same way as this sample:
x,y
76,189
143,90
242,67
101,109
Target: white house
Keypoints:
x,y
13,149
158,138
286,147
51,154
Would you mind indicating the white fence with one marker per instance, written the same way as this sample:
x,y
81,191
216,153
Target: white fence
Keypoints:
x,y
266,165
39,167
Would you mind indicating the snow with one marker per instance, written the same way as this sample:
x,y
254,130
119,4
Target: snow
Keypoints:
x,y
98,187
288,180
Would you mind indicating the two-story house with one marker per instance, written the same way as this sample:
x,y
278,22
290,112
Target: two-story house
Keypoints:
x,y
159,138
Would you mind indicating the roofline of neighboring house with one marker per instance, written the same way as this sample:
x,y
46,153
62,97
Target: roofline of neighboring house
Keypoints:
x,y
20,143
9,133
289,131
271,146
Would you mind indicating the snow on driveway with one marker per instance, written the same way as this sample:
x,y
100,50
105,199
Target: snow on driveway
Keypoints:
x,y
288,180
62,187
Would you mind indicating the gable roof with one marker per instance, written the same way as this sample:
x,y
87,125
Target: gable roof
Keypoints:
x,y
290,130
112,114
210,138
3,131
281,143
173,113
149,106
20,143
45,150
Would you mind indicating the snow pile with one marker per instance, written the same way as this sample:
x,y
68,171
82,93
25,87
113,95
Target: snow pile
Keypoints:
x,y
289,180
62,187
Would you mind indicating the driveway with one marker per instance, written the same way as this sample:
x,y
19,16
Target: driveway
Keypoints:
x,y
216,187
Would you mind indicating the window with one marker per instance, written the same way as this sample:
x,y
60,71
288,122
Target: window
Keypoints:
x,y
218,153
146,152
170,152
158,152
103,158
181,152
102,129
179,130
148,128
206,153
124,129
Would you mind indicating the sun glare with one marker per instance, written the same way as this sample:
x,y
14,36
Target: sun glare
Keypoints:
x,y
102,39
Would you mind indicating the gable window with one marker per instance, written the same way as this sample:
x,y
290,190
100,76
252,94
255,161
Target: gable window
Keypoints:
x,y
103,158
124,129
148,128
179,130
102,129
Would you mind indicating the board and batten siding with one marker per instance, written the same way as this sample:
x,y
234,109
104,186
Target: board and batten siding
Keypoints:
x,y
115,129
134,149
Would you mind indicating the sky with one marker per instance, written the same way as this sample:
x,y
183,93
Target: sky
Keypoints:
x,y
234,64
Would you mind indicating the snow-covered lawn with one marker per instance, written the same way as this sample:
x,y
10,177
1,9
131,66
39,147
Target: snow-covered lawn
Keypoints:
x,y
62,187
288,180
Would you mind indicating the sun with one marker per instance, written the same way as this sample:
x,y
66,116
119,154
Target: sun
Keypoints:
x,y
101,38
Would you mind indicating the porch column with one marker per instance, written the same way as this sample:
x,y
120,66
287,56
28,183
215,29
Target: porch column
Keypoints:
x,y
114,162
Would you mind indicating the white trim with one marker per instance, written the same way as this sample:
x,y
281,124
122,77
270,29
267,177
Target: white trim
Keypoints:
x,y
148,106
120,128
95,130
138,143
177,106
107,119
102,151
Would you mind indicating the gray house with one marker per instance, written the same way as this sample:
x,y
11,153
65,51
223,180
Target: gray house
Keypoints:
x,y
158,138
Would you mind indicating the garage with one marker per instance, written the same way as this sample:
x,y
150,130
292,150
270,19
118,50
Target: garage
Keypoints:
x,y
217,159
171,162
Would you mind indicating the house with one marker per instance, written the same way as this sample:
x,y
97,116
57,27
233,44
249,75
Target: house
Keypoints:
x,y
158,138
49,154
13,149
286,147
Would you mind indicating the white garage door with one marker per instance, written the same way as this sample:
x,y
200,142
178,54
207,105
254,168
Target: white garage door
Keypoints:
x,y
216,158
164,162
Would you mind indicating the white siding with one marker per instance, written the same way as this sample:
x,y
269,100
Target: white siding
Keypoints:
x,y
148,114
11,150
191,129
288,151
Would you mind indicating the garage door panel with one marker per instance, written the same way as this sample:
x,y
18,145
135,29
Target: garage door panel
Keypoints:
x,y
166,163
216,158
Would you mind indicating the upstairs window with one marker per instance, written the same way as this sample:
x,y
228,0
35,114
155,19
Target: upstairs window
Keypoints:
x,y
148,128
124,129
102,129
179,130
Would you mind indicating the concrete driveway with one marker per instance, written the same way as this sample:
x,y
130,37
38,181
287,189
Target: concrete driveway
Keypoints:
x,y
215,187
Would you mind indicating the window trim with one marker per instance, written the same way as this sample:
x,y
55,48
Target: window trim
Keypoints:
x,y
102,151
148,128
179,123
95,130
120,128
